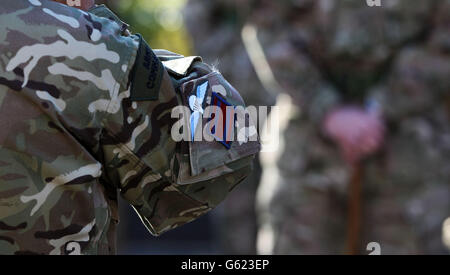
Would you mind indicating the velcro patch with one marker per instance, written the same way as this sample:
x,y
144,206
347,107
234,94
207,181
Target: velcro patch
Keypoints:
x,y
147,74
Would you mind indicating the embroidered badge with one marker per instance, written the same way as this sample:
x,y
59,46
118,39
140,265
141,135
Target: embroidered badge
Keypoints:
x,y
196,105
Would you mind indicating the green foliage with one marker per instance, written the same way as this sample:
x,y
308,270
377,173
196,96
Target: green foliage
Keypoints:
x,y
159,21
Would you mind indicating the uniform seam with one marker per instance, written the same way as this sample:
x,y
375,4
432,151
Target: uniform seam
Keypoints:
x,y
131,57
137,161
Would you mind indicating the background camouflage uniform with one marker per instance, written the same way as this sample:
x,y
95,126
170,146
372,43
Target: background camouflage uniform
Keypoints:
x,y
328,53
74,133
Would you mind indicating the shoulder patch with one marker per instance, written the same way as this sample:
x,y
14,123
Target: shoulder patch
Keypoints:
x,y
224,120
147,74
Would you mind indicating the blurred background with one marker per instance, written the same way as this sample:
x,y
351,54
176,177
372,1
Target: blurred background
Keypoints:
x,y
364,94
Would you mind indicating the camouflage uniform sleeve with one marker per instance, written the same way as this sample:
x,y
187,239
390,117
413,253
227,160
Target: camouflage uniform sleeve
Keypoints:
x,y
62,73
77,62
171,182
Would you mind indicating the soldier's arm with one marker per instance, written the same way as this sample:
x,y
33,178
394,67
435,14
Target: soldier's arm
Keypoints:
x,y
169,181
111,94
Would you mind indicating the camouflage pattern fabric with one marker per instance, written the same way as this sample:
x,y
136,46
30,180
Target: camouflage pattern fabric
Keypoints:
x,y
325,53
394,57
72,138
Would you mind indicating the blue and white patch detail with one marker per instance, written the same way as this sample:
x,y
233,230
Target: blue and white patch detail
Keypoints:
x,y
196,105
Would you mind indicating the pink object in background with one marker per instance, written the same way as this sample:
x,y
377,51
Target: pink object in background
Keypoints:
x,y
357,132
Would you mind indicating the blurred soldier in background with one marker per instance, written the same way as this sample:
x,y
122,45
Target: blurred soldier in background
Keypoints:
x,y
367,156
